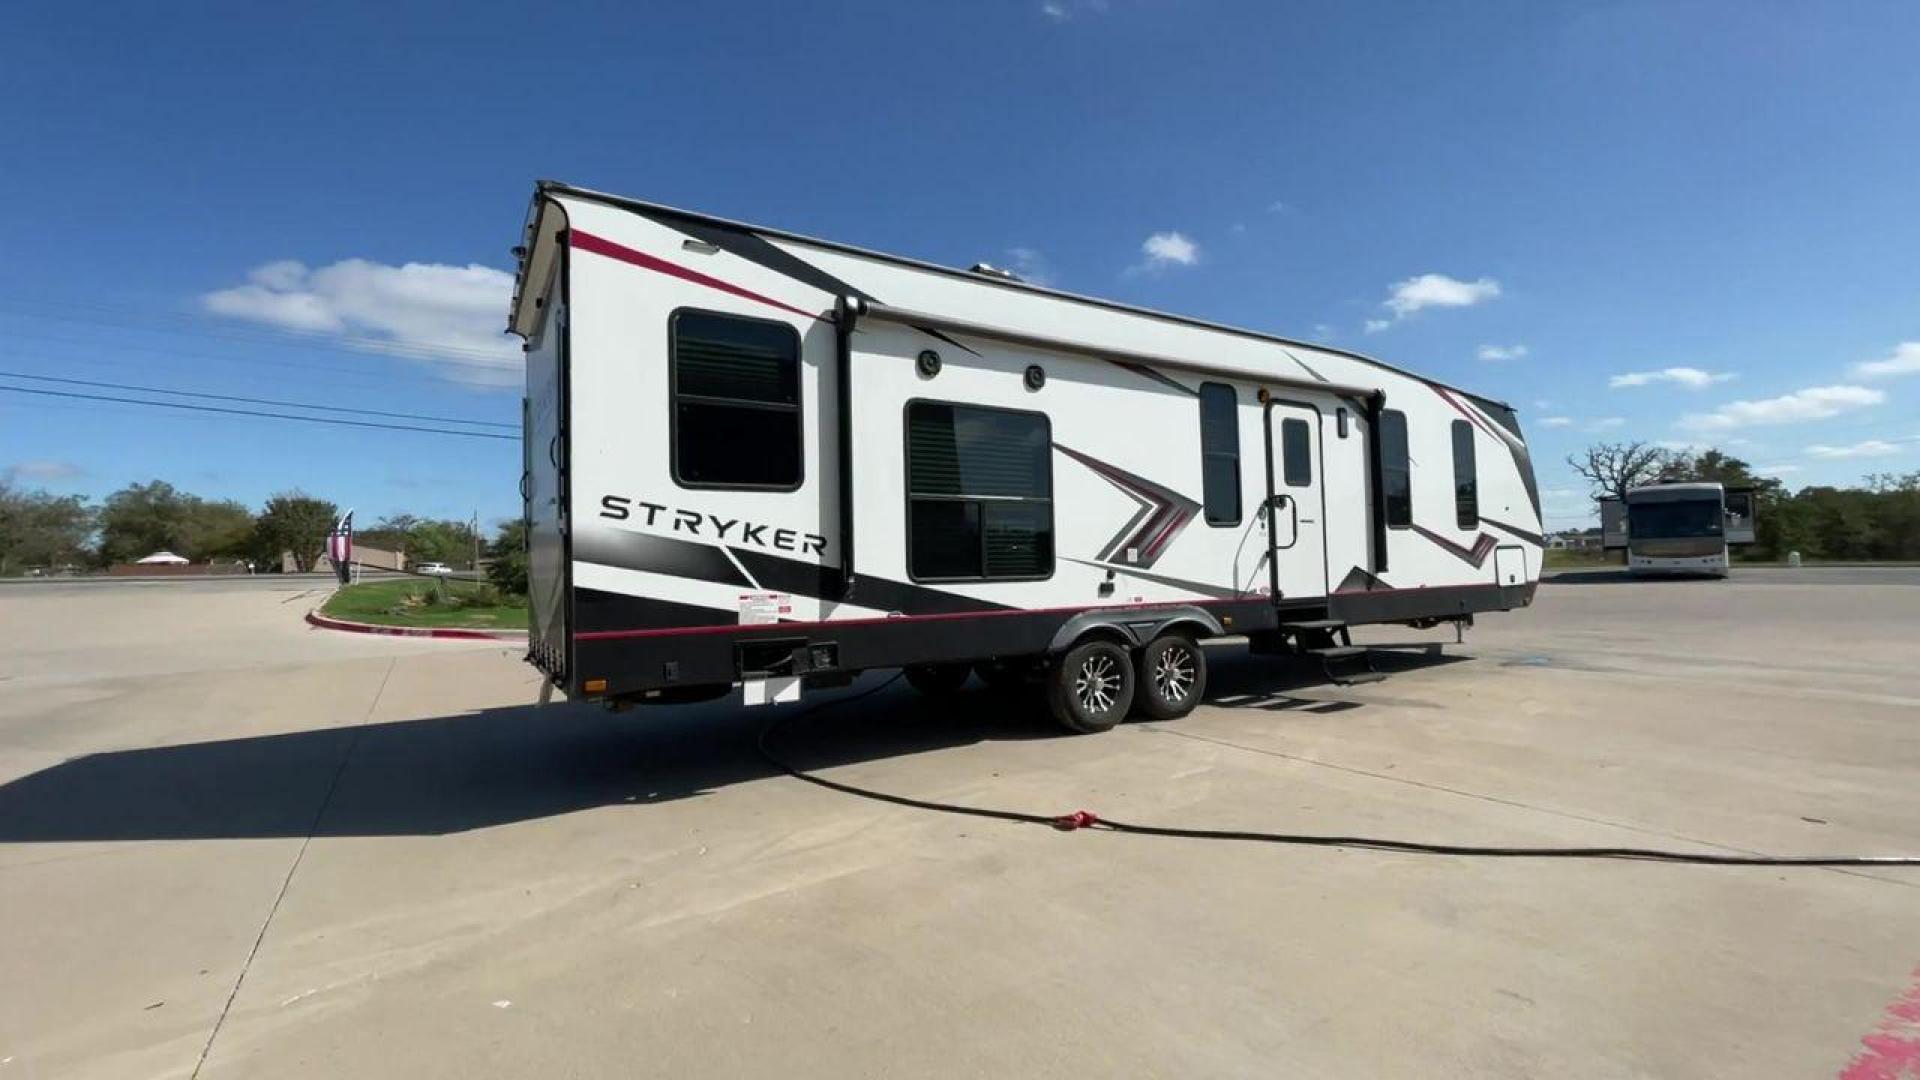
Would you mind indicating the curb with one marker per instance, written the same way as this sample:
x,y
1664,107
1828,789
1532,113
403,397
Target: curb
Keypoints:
x,y
326,622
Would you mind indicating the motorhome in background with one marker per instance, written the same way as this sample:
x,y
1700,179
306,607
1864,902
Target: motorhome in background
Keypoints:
x,y
1678,528
760,460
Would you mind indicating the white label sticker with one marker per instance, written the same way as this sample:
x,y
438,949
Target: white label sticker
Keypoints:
x,y
759,608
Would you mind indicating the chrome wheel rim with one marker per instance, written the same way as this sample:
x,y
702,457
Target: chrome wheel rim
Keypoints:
x,y
1097,684
1174,673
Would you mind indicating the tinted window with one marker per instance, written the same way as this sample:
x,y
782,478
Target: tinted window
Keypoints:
x,y
1296,452
736,401
1396,469
1692,519
1219,454
979,493
1466,477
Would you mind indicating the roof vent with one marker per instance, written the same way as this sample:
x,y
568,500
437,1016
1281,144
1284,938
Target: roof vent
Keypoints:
x,y
992,271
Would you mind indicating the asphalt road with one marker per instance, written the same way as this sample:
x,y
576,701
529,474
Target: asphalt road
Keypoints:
x,y
1759,575
234,846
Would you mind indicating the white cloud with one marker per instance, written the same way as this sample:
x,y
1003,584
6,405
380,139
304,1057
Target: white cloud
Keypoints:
x,y
449,316
1813,403
1238,228
1869,448
1030,265
1556,421
1172,248
1503,352
43,471
1432,290
1543,403
1323,331
1903,360
1278,207
1606,423
1062,10
1164,249
1776,470
1691,378
1439,290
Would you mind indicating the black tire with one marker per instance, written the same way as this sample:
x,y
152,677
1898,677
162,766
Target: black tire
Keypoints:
x,y
1090,688
1005,676
938,680
1172,677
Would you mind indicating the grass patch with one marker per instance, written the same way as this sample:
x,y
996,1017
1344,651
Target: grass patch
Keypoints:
x,y
1572,559
412,602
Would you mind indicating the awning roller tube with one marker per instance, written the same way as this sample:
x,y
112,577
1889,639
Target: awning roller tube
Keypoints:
x,y
907,317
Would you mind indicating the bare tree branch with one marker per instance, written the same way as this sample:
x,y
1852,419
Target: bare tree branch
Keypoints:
x,y
1613,468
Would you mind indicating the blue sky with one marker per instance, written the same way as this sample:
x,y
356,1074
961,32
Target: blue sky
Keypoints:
x,y
1532,200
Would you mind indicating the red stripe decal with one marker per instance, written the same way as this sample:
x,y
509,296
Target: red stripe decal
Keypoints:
x,y
1462,410
605,635
584,241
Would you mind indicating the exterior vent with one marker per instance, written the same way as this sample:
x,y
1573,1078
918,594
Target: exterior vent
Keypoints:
x,y
992,271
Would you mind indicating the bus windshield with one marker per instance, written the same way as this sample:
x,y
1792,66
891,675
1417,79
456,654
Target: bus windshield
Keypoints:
x,y
1674,520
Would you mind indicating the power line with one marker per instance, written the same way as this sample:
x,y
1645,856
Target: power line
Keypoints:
x,y
256,401
254,412
418,373
256,333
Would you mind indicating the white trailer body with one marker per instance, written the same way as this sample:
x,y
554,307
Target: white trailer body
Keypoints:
x,y
754,456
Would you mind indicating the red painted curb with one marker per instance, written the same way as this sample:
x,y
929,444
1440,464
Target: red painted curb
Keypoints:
x,y
328,623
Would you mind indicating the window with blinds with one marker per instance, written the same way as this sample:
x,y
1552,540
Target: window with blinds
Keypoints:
x,y
1296,452
1219,454
1466,478
979,493
1396,467
736,402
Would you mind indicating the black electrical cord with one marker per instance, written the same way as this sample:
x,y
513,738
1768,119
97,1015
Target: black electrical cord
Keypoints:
x,y
1082,819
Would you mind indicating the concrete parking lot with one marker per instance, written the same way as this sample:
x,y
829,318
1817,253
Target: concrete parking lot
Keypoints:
x,y
234,846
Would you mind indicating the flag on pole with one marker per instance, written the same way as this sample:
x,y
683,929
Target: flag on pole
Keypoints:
x,y
340,546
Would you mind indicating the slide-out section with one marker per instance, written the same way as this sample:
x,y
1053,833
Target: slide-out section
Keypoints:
x,y
544,487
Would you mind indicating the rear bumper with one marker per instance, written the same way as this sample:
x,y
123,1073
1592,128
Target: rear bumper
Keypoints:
x,y
1693,566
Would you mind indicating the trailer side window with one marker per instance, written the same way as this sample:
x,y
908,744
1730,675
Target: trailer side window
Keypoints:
x,y
1296,452
1466,477
1396,469
979,493
736,402
1219,454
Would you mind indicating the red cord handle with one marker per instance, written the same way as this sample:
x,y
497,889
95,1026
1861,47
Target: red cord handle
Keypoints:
x,y
1079,819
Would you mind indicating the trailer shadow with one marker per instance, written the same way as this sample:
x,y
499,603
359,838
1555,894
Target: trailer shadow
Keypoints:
x,y
1274,684
472,770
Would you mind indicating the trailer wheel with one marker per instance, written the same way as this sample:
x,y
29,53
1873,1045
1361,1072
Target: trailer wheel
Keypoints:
x,y
1172,677
1090,688
938,680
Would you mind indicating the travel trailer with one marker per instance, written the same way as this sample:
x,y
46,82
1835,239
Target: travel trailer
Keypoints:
x,y
1678,528
758,460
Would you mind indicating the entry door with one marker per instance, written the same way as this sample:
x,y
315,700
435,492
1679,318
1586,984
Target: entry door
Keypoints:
x,y
1296,500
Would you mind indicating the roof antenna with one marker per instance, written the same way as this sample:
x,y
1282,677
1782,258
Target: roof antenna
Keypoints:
x,y
992,271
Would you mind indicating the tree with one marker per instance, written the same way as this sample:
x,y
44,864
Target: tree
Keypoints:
x,y
450,542
40,529
508,554
1613,468
295,522
216,530
391,533
141,519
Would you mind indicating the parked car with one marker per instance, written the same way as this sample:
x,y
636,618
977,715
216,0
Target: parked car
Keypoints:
x,y
434,568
